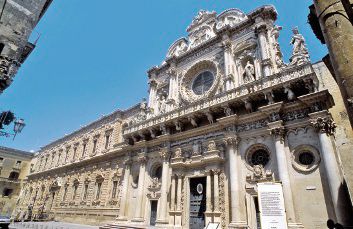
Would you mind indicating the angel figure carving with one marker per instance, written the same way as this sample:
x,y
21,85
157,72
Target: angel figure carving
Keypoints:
x,y
249,73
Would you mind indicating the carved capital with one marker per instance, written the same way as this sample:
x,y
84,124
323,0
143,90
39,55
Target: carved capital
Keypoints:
x,y
217,171
127,161
142,158
164,154
231,140
261,29
278,133
227,45
325,125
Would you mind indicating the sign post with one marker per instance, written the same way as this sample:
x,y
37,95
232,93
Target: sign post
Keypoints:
x,y
271,204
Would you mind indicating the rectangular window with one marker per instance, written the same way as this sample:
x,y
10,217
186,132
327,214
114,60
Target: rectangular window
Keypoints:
x,y
107,141
94,146
115,186
85,192
99,186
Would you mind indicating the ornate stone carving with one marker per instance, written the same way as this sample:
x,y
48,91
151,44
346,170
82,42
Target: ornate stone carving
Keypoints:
x,y
230,18
300,53
278,53
178,153
186,91
211,146
270,97
249,73
228,110
248,105
142,158
164,154
278,133
259,175
209,117
155,185
231,140
178,125
290,94
178,48
325,125
192,120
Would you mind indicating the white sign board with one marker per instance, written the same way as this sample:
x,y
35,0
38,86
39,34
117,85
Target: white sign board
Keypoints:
x,y
212,226
271,204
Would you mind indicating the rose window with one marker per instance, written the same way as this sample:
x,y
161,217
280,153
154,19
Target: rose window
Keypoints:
x,y
260,157
202,83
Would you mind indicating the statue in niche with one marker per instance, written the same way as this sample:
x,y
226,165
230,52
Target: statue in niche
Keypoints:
x,y
300,53
249,73
162,103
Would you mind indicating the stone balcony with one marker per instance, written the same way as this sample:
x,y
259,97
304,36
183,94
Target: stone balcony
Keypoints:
x,y
248,97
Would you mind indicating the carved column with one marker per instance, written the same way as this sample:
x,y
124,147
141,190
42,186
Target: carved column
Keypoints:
x,y
228,64
216,209
173,86
124,194
208,213
278,133
326,128
153,95
172,197
178,199
237,205
141,189
261,32
163,206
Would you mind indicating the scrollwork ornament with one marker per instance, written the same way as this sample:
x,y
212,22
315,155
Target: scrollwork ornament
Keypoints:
x,y
325,125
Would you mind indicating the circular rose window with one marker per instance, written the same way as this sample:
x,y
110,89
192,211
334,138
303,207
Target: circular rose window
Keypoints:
x,y
202,83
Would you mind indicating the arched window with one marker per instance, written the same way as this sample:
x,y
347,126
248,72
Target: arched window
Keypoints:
x,y
99,183
14,176
157,172
74,189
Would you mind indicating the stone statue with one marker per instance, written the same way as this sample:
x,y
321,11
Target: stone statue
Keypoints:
x,y
249,73
162,104
300,53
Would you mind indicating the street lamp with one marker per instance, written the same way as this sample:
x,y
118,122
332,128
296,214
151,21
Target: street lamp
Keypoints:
x,y
18,127
6,118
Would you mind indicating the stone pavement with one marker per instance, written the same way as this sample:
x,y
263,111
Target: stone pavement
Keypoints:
x,y
50,225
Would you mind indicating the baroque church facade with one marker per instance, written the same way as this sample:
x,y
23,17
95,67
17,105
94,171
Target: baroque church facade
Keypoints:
x,y
225,113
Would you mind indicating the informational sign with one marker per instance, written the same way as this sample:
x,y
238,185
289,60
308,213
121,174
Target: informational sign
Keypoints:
x,y
212,226
271,204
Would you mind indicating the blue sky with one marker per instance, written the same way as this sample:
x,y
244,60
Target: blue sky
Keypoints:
x,y
92,58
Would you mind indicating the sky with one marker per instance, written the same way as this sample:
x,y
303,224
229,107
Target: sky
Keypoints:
x,y
92,58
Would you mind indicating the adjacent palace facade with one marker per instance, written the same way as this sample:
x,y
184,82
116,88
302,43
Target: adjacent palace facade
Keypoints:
x,y
225,113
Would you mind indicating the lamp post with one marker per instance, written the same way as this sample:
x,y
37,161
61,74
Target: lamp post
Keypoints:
x,y
6,118
18,127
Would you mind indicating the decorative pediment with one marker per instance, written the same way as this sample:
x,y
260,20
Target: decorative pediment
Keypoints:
x,y
202,17
178,48
231,18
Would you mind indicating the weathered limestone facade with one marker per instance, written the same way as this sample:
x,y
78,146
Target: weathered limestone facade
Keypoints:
x,y
224,114
17,20
15,166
